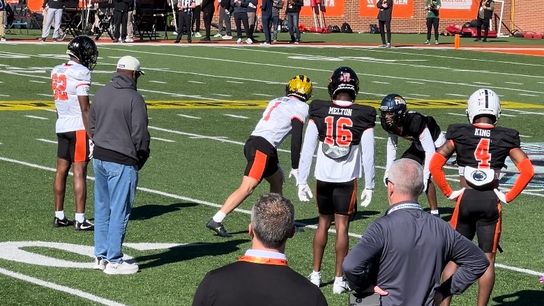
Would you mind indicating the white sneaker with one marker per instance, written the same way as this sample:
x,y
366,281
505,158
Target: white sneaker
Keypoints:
x,y
265,44
388,45
2,39
339,286
315,278
249,41
218,35
239,41
226,37
197,34
99,264
129,40
436,42
123,267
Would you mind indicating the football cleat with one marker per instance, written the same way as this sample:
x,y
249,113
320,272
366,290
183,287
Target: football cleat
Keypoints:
x,y
62,222
84,226
340,286
392,112
315,278
344,79
299,86
218,228
84,50
484,102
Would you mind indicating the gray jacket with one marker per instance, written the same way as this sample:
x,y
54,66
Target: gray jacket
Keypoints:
x,y
405,252
119,120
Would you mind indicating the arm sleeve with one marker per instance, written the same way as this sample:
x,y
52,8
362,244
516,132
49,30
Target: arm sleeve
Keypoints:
x,y
526,173
435,167
367,152
140,134
426,140
362,261
392,141
296,141
307,153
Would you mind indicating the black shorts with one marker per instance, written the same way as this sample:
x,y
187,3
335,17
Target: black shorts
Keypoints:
x,y
479,212
337,198
262,158
415,154
73,146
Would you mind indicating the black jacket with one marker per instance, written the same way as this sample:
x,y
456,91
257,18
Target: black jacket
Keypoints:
x,y
385,13
294,6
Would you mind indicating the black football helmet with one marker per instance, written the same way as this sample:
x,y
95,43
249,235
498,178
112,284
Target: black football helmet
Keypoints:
x,y
393,110
84,50
344,79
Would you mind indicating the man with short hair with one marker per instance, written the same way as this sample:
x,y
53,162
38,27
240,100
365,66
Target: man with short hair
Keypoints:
x,y
70,83
119,130
402,254
262,276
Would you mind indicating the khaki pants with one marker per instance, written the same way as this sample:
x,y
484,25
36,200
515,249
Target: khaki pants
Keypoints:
x,y
2,23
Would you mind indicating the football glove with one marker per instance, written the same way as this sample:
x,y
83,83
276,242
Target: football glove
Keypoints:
x,y
91,148
366,197
456,193
304,193
294,173
500,195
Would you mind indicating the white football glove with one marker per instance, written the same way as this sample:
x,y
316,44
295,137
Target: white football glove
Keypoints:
x,y
91,148
456,193
366,197
304,193
294,173
500,195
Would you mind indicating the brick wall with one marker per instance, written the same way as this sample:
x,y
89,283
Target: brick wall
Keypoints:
x,y
528,17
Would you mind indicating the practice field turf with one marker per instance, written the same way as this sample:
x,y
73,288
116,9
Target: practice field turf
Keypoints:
x,y
203,103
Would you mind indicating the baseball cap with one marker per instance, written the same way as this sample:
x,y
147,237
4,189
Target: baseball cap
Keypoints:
x,y
129,63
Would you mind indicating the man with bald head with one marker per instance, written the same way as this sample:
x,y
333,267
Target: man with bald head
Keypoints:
x,y
402,254
119,130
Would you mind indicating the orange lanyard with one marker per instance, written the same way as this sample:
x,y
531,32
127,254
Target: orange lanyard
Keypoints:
x,y
264,260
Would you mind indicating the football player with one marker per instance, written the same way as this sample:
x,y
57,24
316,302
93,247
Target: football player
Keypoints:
x,y
422,131
344,134
282,116
481,149
70,83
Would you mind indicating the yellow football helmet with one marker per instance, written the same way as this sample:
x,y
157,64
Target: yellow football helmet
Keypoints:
x,y
299,86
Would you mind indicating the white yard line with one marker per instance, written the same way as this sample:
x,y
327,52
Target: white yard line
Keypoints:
x,y
46,140
158,82
380,82
236,116
189,116
162,139
39,82
456,95
514,83
524,112
457,114
262,95
36,117
415,82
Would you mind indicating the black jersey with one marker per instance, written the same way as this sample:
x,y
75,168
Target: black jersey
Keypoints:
x,y
482,146
341,125
413,125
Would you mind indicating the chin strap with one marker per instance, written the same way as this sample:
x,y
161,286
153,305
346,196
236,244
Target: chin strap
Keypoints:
x,y
435,166
526,173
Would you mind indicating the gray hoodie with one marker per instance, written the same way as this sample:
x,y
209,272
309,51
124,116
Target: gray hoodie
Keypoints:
x,y
119,123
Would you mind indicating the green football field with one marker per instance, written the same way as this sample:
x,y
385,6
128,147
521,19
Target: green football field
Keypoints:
x,y
203,102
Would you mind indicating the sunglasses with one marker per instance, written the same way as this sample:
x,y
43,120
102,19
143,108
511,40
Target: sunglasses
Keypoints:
x,y
387,181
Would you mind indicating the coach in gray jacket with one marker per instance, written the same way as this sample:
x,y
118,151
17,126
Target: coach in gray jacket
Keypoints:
x,y
402,254
121,138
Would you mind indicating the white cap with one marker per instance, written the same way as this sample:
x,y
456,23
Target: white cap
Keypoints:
x,y
129,63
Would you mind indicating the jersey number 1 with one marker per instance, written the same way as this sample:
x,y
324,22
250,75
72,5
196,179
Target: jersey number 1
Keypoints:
x,y
338,131
59,87
481,154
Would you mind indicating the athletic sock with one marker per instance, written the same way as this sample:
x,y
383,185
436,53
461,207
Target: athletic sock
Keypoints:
x,y
59,214
219,216
80,217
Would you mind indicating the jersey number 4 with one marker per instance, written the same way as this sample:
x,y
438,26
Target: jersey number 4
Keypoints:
x,y
338,133
58,84
481,154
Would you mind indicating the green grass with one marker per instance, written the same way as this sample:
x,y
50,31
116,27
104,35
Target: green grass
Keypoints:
x,y
189,178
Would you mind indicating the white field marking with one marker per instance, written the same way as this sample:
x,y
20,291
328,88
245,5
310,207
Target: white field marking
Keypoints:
x,y
46,140
525,136
521,270
514,83
262,95
528,95
152,246
415,82
36,117
379,137
244,211
39,82
457,114
3,95
419,95
61,288
221,95
380,82
481,83
508,115
158,82
189,116
196,82
455,95
45,95
236,116
522,112
197,136
234,82
162,139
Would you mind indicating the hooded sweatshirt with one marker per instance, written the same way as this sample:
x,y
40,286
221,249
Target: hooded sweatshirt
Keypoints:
x,y
119,123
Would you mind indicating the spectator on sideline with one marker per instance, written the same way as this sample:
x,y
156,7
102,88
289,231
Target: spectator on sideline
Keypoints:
x,y
402,254
292,12
384,21
266,16
208,8
277,5
433,19
119,129
482,148
3,18
344,132
225,11
120,19
70,82
185,12
485,13
130,21
283,116
422,131
196,18
262,276
53,16
251,17
240,17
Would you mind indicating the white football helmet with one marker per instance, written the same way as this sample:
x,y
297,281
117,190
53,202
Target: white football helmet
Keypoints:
x,y
484,102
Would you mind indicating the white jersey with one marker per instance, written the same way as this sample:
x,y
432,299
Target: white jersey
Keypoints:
x,y
275,124
69,81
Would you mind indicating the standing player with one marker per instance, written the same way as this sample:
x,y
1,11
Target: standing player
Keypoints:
x,y
422,131
70,83
344,134
481,149
282,116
